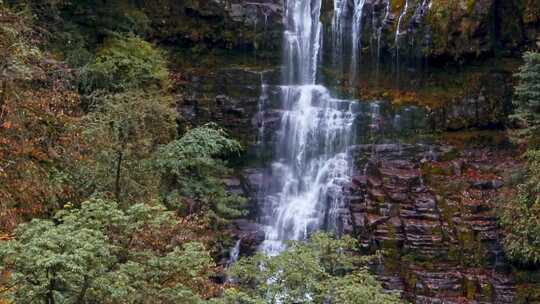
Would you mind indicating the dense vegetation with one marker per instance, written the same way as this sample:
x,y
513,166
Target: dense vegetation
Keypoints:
x,y
323,270
105,199
521,215
101,254
527,101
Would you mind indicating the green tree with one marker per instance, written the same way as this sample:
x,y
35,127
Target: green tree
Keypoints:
x,y
101,254
520,216
192,169
121,135
323,270
527,100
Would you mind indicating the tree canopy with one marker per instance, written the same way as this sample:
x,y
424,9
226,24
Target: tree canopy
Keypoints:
x,y
99,253
323,270
527,100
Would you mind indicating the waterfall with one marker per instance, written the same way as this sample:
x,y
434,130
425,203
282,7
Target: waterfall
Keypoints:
x,y
356,36
338,30
302,41
379,36
234,254
312,162
398,34
261,106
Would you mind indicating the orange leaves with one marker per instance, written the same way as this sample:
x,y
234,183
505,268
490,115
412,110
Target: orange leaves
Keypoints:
x,y
5,237
7,125
36,137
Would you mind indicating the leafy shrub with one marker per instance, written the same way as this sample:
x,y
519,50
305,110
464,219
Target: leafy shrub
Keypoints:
x,y
125,63
521,217
101,254
192,169
323,270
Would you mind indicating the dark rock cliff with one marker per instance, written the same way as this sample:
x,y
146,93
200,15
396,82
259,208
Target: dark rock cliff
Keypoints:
x,y
444,30
432,210
255,24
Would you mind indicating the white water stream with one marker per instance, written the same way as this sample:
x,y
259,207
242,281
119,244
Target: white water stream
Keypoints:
x,y
312,161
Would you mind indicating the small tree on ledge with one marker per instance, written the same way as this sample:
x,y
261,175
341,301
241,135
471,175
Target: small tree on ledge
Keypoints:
x,y
527,101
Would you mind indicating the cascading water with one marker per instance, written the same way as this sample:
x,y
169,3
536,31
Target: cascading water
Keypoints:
x,y
398,35
263,98
312,161
234,254
380,34
356,35
338,29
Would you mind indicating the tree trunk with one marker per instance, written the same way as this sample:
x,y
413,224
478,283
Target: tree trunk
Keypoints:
x,y
82,294
117,188
3,97
50,292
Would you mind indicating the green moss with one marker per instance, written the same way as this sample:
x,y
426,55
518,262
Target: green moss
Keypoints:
x,y
488,291
527,293
470,288
436,170
470,6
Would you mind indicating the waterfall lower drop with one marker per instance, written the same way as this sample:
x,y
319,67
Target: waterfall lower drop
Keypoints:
x,y
312,163
263,99
234,254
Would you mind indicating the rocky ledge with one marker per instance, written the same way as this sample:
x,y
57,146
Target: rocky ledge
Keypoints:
x,y
432,211
255,24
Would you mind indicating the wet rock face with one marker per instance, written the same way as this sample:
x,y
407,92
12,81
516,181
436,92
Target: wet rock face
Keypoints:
x,y
235,24
445,30
227,96
432,212
486,104
250,234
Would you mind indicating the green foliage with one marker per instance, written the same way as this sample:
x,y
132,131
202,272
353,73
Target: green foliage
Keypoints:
x,y
191,169
324,270
125,63
122,134
527,100
76,28
131,157
48,258
74,46
101,254
521,217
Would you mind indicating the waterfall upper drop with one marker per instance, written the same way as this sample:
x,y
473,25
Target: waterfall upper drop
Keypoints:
x,y
338,28
312,163
356,35
302,43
